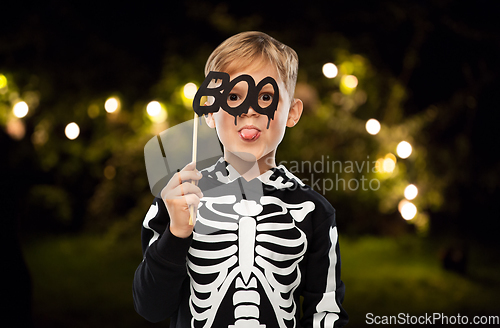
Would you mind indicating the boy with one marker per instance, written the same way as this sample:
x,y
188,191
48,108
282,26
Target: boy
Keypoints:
x,y
264,247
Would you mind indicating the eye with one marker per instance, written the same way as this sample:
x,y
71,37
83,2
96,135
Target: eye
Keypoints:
x,y
233,97
266,97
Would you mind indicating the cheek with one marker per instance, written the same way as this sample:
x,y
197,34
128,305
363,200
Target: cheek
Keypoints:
x,y
277,127
223,124
281,116
223,119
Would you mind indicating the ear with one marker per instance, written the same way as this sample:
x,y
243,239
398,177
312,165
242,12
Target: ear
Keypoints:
x,y
295,112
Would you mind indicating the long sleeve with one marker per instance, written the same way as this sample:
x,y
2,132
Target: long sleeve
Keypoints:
x,y
324,290
161,275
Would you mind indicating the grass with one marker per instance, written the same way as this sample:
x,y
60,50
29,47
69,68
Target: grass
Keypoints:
x,y
387,276
86,281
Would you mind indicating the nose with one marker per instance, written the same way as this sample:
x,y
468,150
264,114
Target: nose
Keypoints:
x,y
251,112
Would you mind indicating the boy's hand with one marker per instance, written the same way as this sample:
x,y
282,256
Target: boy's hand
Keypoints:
x,y
177,195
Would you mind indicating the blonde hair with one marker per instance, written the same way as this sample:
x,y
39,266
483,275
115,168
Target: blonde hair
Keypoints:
x,y
255,48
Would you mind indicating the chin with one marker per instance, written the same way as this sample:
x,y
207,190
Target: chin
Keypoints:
x,y
245,156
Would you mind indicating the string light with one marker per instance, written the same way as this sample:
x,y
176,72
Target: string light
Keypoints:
x,y
389,163
15,128
348,84
411,192
190,90
404,149
72,131
330,70
350,81
3,81
20,109
112,105
156,111
158,114
153,108
407,209
372,126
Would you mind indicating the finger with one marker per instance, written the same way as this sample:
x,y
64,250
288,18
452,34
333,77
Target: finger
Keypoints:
x,y
181,177
188,188
189,176
192,200
189,167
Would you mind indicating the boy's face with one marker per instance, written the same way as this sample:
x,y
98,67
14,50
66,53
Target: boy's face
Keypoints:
x,y
249,138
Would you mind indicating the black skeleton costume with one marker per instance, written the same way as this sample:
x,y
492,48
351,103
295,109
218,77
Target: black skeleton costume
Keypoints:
x,y
257,248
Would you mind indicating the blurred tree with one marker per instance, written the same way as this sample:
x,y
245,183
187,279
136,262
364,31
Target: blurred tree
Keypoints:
x,y
421,70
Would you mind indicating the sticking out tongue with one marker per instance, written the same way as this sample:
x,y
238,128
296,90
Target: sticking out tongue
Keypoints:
x,y
249,134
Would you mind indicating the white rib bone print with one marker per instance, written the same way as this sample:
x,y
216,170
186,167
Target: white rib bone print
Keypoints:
x,y
248,244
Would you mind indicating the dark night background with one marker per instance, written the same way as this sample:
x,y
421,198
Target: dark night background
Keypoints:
x,y
442,54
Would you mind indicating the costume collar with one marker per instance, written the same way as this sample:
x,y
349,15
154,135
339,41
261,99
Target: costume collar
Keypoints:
x,y
278,177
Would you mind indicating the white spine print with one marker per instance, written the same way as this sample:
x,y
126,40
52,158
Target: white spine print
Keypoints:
x,y
247,251
246,314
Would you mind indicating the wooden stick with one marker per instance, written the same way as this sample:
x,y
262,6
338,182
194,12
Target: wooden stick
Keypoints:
x,y
192,213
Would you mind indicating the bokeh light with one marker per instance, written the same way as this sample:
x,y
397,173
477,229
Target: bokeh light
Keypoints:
x,y
348,84
15,129
39,136
190,90
372,126
20,109
3,81
156,111
401,204
350,81
153,108
404,149
330,70
112,105
109,172
411,191
389,163
407,209
72,131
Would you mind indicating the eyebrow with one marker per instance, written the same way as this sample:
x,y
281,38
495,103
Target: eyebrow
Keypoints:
x,y
268,88
239,88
